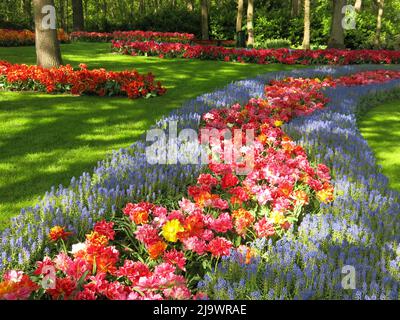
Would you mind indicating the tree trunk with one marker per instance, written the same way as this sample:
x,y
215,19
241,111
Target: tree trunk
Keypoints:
x,y
357,6
239,17
379,23
104,15
61,15
307,24
296,5
142,8
77,15
336,39
204,20
250,24
48,51
86,8
27,9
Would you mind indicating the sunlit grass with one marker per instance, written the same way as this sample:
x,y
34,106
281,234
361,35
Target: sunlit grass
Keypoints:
x,y
381,127
45,140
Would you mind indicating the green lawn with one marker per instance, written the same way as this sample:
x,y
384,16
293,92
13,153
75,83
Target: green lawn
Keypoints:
x,y
47,139
381,127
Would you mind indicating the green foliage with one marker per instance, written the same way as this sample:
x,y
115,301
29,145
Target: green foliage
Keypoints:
x,y
273,44
273,19
223,20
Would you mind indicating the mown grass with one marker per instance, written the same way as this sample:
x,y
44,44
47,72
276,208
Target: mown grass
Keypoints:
x,y
380,126
45,140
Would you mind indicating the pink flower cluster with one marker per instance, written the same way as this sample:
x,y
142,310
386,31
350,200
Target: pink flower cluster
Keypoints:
x,y
94,270
260,56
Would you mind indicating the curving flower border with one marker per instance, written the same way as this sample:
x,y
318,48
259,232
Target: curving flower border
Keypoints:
x,y
358,231
113,180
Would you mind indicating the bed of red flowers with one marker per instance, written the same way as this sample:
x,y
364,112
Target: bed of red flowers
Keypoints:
x,y
15,38
260,56
154,252
65,79
133,36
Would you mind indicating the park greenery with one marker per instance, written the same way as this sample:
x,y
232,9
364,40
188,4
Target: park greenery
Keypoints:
x,y
199,149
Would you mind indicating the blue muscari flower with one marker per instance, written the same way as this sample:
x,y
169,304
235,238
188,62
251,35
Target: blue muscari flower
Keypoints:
x,y
231,293
256,295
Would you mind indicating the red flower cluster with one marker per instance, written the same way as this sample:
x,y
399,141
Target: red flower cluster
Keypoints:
x,y
11,38
57,232
65,79
368,77
260,56
133,36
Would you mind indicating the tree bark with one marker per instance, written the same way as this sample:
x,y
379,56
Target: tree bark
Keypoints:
x,y
78,20
296,5
377,42
358,5
307,24
336,39
48,51
239,17
250,22
204,20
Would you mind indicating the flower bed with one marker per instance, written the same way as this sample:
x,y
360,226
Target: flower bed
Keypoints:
x,y
15,38
65,79
228,211
124,177
260,56
133,36
358,231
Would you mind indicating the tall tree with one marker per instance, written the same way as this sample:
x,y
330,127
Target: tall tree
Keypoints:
x,y
250,23
142,8
204,20
27,6
336,38
296,6
307,24
358,5
61,14
48,51
104,9
239,17
377,41
78,20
